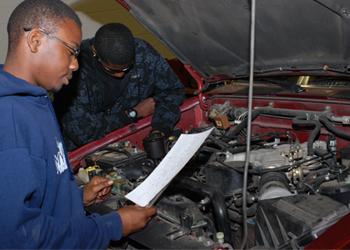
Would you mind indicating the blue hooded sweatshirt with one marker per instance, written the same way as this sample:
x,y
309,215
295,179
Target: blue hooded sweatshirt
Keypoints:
x,y
40,203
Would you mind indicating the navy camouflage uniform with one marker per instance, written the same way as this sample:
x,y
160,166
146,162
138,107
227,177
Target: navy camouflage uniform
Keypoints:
x,y
81,107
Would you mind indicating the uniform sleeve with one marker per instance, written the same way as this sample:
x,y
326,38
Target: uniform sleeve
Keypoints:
x,y
81,124
168,92
25,225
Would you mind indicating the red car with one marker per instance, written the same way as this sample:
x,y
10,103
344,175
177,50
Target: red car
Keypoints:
x,y
293,189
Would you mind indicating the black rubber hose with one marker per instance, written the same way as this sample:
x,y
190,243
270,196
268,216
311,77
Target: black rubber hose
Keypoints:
x,y
299,121
218,142
233,132
237,217
282,112
330,126
217,200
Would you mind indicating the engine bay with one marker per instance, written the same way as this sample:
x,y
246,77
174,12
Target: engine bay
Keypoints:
x,y
298,182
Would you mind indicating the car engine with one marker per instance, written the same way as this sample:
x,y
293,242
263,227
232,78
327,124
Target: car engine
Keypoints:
x,y
296,189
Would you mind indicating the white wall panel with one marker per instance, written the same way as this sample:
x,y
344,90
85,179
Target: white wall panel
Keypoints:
x,y
93,14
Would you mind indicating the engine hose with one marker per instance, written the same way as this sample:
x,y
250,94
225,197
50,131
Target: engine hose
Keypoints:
x,y
210,149
217,142
283,112
299,121
239,167
238,149
316,183
237,216
217,201
233,132
210,225
329,126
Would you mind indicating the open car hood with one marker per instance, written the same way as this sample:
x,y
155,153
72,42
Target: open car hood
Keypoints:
x,y
214,36
297,192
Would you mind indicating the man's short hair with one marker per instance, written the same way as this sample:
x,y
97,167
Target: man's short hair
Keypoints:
x,y
114,43
45,14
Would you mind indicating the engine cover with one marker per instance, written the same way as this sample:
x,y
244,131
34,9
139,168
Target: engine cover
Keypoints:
x,y
296,220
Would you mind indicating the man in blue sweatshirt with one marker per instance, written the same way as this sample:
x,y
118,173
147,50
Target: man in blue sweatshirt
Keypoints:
x,y
41,205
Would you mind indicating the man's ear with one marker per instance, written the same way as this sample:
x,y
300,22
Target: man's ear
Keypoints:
x,y
34,40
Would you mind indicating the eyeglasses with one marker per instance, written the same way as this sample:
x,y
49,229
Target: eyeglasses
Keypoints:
x,y
73,51
110,70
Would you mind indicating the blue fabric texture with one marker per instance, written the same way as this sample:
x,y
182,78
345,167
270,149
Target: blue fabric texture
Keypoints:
x,y
85,117
41,205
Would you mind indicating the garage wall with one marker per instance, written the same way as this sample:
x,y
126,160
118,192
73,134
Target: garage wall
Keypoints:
x,y
93,14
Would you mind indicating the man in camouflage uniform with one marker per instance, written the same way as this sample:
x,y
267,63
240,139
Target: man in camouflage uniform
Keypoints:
x,y
121,79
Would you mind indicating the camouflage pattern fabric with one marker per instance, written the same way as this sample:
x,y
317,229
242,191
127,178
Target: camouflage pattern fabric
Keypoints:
x,y
80,106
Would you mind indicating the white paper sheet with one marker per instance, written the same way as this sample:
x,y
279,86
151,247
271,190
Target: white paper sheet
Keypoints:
x,y
185,147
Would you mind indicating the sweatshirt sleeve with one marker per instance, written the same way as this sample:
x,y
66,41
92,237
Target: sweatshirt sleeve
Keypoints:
x,y
24,222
